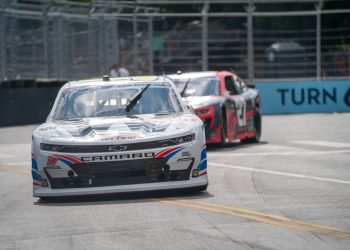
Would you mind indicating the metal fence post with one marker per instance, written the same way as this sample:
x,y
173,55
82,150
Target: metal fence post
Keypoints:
x,y
318,39
250,9
61,34
115,35
91,37
101,45
3,54
46,44
55,48
150,49
205,36
46,40
135,54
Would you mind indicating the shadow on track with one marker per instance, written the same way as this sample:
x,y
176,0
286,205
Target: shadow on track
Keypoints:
x,y
135,197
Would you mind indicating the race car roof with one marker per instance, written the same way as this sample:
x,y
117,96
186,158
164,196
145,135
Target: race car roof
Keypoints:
x,y
193,74
116,80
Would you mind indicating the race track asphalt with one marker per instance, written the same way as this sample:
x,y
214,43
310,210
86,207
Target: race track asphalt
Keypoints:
x,y
291,191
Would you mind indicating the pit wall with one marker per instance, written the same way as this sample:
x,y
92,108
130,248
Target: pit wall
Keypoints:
x,y
27,101
304,97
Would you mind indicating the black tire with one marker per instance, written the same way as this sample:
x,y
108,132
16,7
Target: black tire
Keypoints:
x,y
200,188
45,199
257,128
223,129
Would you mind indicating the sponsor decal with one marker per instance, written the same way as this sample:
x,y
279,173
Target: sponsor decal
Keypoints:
x,y
186,154
98,158
121,138
167,153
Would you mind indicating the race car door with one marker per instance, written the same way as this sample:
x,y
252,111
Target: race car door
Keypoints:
x,y
235,109
238,107
249,101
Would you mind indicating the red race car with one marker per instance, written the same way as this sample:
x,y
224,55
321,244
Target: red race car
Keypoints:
x,y
229,109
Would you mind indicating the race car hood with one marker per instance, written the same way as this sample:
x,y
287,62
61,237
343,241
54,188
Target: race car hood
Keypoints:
x,y
200,101
126,128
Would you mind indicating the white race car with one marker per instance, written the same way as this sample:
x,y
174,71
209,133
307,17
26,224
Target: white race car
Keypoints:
x,y
116,135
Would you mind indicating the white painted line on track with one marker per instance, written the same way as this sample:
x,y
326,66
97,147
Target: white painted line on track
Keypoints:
x,y
6,156
324,144
281,153
266,171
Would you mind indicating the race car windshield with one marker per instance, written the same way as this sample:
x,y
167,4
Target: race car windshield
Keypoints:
x,y
112,100
202,86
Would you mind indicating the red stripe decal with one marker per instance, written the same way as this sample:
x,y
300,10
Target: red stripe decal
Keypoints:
x,y
165,153
160,153
70,158
204,173
36,184
168,152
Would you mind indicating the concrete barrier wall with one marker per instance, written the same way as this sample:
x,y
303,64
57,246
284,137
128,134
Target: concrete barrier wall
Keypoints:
x,y
26,101
30,101
304,97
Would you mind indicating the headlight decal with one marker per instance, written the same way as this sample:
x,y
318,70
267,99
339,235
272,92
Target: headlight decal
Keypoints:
x,y
118,147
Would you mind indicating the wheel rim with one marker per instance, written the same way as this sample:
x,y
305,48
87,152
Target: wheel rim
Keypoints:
x,y
257,125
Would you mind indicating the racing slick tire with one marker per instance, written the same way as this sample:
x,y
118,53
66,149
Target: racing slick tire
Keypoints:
x,y
223,130
46,199
199,189
257,128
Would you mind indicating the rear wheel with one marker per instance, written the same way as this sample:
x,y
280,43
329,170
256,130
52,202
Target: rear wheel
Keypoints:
x,y
257,128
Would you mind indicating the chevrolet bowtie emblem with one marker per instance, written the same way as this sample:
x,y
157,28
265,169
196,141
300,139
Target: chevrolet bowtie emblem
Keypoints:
x,y
117,148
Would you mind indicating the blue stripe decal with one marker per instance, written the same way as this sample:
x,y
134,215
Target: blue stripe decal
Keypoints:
x,y
204,154
203,165
66,162
36,176
173,153
34,164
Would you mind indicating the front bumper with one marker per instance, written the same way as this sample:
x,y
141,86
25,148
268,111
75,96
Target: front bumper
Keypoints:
x,y
192,183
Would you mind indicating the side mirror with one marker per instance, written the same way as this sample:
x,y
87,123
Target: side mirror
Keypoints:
x,y
252,86
190,108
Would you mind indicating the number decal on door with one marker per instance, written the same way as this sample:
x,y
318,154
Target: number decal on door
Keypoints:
x,y
241,111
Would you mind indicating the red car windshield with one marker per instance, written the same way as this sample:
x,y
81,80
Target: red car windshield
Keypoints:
x,y
201,86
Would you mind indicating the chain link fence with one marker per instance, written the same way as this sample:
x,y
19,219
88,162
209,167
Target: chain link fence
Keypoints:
x,y
67,40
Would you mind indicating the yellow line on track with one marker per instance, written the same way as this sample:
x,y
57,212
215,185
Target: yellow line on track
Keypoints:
x,y
273,216
15,169
261,217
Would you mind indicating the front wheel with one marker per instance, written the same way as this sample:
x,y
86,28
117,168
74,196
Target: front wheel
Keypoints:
x,y
223,130
200,188
257,128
